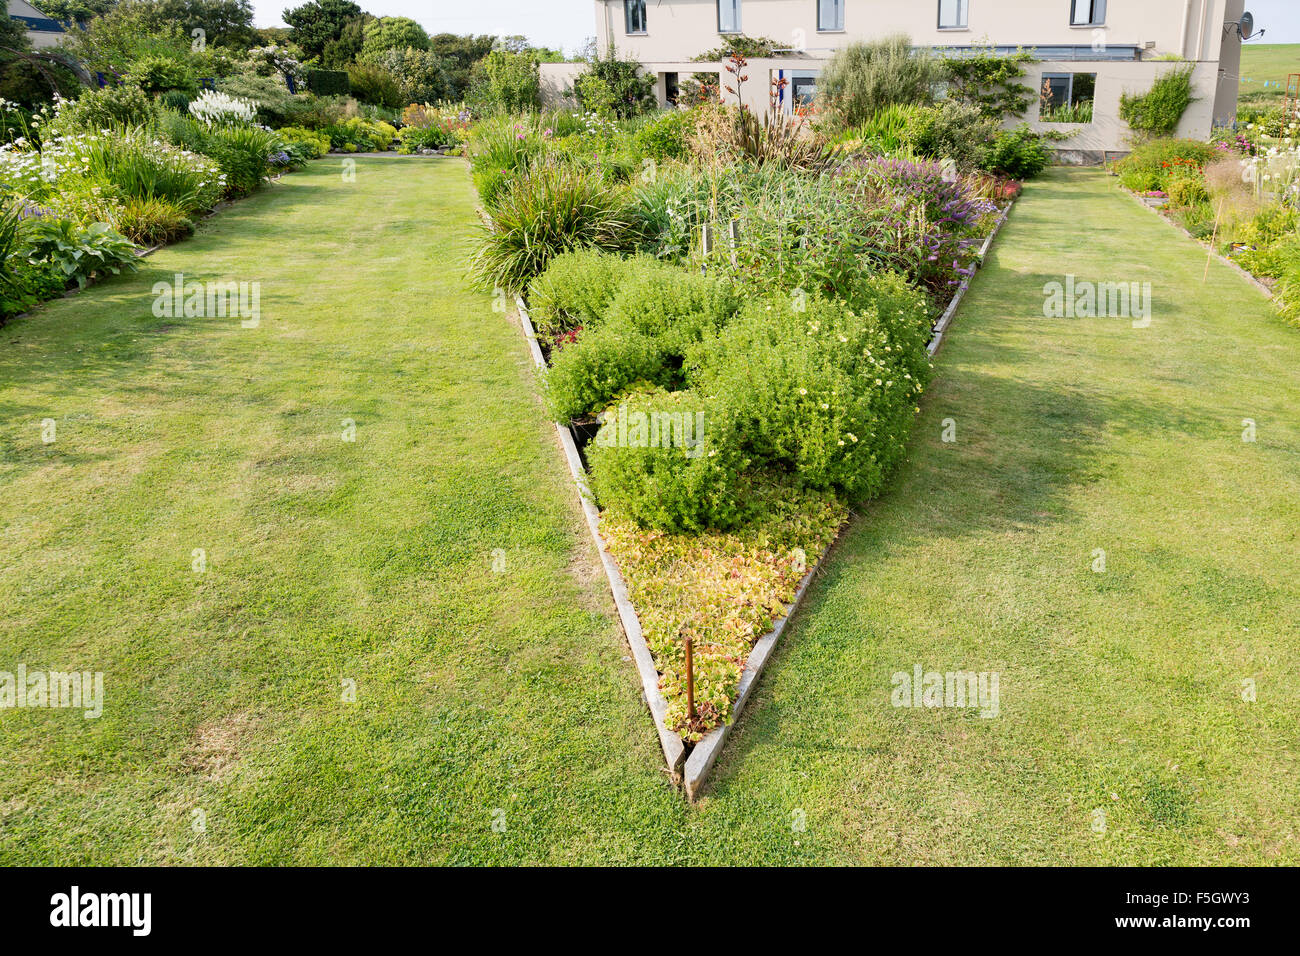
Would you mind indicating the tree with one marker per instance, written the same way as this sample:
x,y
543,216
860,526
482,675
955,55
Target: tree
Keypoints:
x,y
225,23
340,53
67,11
419,73
313,25
393,33
458,55
614,87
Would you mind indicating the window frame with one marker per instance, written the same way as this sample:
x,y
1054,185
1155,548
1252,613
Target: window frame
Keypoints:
x,y
736,7
1095,8
838,5
628,7
1070,101
963,11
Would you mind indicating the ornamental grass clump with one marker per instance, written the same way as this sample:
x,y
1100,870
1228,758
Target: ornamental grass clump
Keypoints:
x,y
550,209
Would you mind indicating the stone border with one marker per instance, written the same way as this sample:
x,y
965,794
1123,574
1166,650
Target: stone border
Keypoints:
x,y
674,749
941,327
1209,250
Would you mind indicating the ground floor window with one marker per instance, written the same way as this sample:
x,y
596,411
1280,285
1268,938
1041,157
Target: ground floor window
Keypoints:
x,y
1067,97
672,88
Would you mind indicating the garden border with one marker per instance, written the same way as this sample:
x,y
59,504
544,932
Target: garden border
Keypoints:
x,y
1210,250
692,770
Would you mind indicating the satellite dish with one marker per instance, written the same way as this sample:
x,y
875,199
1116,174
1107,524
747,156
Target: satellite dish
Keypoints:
x,y
1247,25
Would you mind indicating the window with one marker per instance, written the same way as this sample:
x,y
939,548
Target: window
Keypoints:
x,y
1067,97
1088,13
830,15
634,15
952,14
728,16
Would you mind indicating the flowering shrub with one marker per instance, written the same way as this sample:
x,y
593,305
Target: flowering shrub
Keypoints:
x,y
219,109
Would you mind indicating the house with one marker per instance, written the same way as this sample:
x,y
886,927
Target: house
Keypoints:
x,y
41,30
1088,51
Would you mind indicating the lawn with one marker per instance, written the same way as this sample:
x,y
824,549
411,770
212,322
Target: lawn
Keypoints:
x,y
497,716
1266,61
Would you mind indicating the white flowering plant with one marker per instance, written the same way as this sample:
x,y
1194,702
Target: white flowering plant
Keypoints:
x,y
214,108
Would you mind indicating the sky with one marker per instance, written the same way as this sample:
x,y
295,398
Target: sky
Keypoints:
x,y
568,23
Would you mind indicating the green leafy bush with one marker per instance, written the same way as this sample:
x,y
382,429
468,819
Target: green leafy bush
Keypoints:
x,y
360,135
674,307
1150,164
315,143
614,87
819,392
329,82
505,83
585,376
1187,190
105,108
420,75
371,83
78,253
664,137
1159,111
863,78
951,131
547,210
1019,153
654,461
989,81
160,74
243,153
575,291
415,138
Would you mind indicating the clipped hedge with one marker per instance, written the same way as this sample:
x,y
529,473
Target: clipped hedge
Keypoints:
x,y
329,82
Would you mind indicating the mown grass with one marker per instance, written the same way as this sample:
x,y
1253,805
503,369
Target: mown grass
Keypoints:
x,y
1266,61
480,692
1120,691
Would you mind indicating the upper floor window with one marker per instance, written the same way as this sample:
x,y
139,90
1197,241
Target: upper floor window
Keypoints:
x,y
1088,13
728,16
830,15
634,15
952,14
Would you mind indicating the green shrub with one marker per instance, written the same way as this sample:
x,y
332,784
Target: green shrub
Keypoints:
x,y
329,82
160,74
989,81
1150,164
135,163
951,131
105,108
152,222
664,137
654,461
374,84
863,78
1159,111
614,87
243,153
505,83
1187,190
675,307
269,94
315,144
604,362
420,75
575,291
357,134
546,211
415,138
819,392
1019,153
175,100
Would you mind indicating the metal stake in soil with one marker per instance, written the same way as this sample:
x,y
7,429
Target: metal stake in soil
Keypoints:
x,y
690,678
